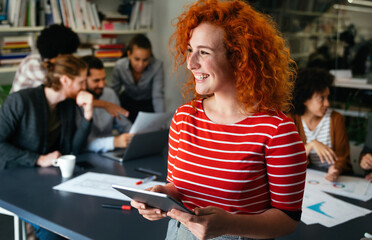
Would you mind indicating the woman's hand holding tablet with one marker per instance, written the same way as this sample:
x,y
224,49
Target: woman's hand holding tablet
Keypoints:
x,y
157,200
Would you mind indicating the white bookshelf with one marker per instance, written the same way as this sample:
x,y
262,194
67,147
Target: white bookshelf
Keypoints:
x,y
38,29
355,83
109,64
12,69
119,32
8,69
21,29
352,113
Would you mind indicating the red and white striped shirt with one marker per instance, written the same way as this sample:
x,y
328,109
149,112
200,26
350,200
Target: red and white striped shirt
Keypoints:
x,y
245,168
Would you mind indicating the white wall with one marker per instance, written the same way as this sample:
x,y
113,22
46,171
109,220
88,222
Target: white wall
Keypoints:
x,y
164,12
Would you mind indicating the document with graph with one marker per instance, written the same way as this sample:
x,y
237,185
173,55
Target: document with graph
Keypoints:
x,y
320,207
352,187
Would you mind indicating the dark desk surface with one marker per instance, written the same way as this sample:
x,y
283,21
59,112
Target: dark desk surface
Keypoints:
x,y
28,193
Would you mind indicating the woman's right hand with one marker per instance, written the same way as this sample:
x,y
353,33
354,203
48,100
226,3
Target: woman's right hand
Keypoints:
x,y
123,140
46,160
325,153
366,162
153,214
147,212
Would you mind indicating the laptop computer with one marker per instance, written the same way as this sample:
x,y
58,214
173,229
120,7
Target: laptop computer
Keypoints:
x,y
141,145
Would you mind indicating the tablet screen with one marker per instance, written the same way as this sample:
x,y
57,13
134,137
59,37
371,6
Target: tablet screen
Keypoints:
x,y
153,199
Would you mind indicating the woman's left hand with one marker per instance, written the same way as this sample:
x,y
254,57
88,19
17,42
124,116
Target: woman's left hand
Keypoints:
x,y
332,174
208,222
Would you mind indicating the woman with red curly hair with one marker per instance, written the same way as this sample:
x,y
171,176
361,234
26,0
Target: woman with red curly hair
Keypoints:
x,y
235,159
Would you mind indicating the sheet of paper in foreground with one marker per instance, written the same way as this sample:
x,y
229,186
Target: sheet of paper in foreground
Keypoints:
x,y
99,184
320,207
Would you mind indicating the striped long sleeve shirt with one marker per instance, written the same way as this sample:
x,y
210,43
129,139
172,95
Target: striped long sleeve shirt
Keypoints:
x,y
243,168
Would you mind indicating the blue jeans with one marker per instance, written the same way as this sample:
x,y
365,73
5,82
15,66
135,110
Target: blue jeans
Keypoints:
x,y
44,234
177,230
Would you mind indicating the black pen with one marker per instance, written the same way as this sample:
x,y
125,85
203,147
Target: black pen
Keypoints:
x,y
148,171
122,207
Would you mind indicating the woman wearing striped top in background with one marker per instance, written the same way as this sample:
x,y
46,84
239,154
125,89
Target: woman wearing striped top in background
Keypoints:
x,y
322,130
234,158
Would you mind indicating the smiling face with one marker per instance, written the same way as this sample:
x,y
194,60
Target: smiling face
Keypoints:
x,y
206,59
139,59
96,81
318,104
74,86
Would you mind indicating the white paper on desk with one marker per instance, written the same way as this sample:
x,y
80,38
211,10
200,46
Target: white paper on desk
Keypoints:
x,y
368,195
307,218
99,184
352,187
149,122
319,207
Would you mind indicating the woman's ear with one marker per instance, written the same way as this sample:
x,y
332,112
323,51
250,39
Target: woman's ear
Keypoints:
x,y
65,80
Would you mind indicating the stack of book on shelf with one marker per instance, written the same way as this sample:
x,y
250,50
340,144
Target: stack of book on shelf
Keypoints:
x,y
141,15
76,14
23,13
13,49
3,13
108,52
84,49
115,21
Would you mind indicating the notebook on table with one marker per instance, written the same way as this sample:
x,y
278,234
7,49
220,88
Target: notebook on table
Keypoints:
x,y
141,145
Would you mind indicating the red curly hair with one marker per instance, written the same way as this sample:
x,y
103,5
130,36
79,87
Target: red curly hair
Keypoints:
x,y
255,49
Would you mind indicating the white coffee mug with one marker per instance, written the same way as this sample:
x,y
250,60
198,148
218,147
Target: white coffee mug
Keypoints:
x,y
66,164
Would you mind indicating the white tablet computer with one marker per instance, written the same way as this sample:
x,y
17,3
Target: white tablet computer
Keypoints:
x,y
153,199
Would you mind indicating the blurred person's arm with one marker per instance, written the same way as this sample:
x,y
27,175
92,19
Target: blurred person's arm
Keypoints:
x,y
11,115
158,90
112,108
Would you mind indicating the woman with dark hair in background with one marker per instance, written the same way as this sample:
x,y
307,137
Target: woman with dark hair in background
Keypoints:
x,y
141,76
322,130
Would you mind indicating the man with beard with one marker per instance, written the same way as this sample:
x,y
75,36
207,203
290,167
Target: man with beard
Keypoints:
x,y
101,137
